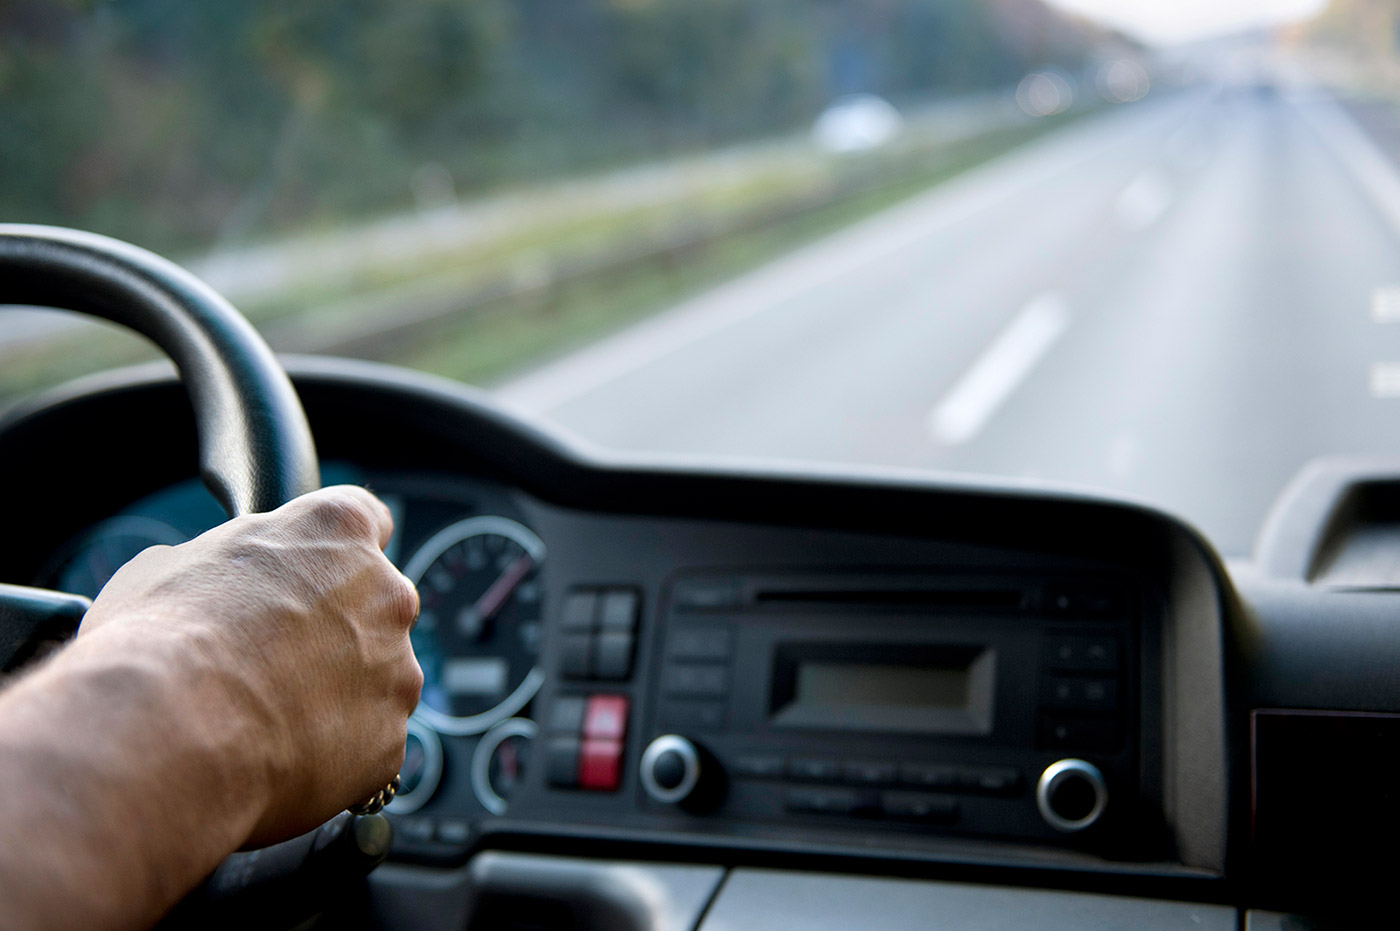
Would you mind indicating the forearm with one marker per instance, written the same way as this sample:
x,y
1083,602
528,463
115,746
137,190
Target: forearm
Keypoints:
x,y
130,769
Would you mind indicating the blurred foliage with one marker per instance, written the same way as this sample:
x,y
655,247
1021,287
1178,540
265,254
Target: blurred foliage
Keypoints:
x,y
184,125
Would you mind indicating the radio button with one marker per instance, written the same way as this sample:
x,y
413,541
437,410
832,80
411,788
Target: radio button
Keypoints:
x,y
1081,654
815,770
994,780
920,806
702,643
706,681
830,802
618,610
705,595
758,766
606,718
1082,694
612,658
577,659
580,610
600,764
1072,733
561,762
692,715
1085,602
930,776
566,714
869,772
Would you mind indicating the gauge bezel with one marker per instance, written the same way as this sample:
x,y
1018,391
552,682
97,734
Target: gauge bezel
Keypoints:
x,y
407,802
425,556
481,760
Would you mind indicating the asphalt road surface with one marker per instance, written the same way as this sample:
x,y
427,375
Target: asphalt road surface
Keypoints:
x,y
1183,300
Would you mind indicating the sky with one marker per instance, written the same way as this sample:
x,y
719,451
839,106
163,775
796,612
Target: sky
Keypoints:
x,y
1164,22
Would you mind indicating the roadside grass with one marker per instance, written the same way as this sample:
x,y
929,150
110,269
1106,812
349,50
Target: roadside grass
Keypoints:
x,y
516,299
487,347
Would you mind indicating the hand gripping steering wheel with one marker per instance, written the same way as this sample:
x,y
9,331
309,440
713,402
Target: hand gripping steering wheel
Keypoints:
x,y
255,454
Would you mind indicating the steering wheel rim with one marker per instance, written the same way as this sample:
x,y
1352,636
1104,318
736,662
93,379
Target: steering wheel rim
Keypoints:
x,y
255,447
255,454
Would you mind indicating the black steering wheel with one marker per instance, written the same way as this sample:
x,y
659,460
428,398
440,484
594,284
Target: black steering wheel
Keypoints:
x,y
255,448
255,454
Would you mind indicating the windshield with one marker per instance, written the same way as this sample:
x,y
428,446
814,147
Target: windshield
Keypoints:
x,y
1150,248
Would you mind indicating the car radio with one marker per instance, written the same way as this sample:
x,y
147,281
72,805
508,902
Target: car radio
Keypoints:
x,y
968,705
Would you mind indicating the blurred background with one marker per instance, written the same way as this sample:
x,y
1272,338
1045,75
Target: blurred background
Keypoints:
x,y
1145,247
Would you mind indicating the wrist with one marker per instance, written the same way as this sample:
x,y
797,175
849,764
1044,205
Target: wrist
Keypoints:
x,y
150,769
201,723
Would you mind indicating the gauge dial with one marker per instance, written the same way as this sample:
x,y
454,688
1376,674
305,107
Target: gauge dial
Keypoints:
x,y
421,770
90,561
500,762
478,634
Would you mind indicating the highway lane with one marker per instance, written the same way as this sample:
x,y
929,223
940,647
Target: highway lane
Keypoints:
x,y
1183,301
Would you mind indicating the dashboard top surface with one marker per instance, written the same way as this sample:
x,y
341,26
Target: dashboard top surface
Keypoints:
x,y
891,546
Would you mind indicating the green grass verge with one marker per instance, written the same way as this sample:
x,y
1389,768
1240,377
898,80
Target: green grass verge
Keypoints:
x,y
483,348
482,344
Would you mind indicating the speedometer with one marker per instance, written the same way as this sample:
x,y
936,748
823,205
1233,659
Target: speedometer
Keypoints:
x,y
478,634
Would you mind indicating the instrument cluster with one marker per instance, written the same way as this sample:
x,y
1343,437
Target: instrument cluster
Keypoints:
x,y
478,569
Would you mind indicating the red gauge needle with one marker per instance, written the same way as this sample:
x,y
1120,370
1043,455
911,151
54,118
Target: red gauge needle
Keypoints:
x,y
500,591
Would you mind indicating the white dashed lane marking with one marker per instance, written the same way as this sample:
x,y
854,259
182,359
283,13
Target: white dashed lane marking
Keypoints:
x,y
997,372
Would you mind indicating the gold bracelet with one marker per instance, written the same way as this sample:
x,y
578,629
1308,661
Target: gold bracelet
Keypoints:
x,y
376,802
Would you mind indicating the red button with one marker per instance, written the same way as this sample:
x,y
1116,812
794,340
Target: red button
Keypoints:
x,y
606,718
600,765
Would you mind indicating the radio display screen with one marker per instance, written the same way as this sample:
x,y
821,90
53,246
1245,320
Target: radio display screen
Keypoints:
x,y
936,690
838,685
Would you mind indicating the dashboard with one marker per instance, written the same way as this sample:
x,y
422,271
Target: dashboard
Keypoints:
x,y
933,694
730,678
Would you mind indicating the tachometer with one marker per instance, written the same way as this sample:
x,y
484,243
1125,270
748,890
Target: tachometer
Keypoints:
x,y
478,635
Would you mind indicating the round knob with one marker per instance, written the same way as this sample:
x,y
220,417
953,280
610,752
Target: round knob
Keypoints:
x,y
670,769
1071,795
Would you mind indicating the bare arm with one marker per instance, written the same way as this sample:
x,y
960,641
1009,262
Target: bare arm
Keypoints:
x,y
234,691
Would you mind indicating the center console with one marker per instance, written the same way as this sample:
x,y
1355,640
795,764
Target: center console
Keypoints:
x,y
922,707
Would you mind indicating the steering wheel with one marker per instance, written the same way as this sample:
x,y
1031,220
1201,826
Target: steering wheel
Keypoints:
x,y
255,453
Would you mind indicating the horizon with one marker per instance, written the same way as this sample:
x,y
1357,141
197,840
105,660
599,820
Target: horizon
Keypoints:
x,y
1177,22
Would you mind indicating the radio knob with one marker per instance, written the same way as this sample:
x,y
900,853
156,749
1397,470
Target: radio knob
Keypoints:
x,y
1071,795
671,769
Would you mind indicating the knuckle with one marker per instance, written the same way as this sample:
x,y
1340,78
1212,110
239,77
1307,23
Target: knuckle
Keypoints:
x,y
344,513
151,554
405,601
411,682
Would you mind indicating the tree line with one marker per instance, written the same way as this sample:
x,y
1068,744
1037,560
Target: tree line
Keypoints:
x,y
181,124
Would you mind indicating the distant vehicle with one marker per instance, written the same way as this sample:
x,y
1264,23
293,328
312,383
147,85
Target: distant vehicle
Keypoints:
x,y
1044,93
1122,81
857,123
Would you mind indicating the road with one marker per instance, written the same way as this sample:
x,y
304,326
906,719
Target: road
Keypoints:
x,y
1182,301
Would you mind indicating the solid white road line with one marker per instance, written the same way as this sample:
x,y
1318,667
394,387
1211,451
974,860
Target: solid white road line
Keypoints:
x,y
1003,365
1385,380
1385,305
